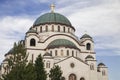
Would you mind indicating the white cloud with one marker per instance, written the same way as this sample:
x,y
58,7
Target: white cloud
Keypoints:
x,y
100,18
12,30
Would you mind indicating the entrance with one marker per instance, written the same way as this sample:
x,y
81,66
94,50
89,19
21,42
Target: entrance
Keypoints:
x,y
72,77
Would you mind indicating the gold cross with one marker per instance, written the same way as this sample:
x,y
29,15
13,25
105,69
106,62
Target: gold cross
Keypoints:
x,y
52,7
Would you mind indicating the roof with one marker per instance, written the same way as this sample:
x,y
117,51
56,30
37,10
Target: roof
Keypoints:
x,y
61,43
89,56
32,31
101,64
86,36
47,54
52,18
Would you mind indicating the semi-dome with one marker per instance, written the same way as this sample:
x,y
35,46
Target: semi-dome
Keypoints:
x,y
61,43
89,56
49,18
86,36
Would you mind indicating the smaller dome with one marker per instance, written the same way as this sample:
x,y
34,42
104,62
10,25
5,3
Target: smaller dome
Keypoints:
x,y
31,31
89,56
47,54
61,43
101,64
86,36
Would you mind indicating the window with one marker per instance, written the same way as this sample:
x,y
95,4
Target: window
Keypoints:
x,y
53,28
48,64
46,28
68,29
58,28
67,52
63,29
82,78
61,52
63,78
72,77
103,72
32,42
88,46
92,66
41,29
55,52
72,53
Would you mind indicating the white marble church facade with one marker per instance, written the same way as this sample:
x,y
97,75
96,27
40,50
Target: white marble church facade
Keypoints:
x,y
52,36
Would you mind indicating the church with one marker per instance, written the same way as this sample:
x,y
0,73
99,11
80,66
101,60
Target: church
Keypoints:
x,y
53,36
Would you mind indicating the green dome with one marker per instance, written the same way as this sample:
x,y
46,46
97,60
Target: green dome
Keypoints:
x,y
61,43
86,36
52,18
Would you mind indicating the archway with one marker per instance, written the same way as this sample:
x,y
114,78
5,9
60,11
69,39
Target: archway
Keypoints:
x,y
72,77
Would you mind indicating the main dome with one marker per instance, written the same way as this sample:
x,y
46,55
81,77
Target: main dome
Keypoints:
x,y
50,18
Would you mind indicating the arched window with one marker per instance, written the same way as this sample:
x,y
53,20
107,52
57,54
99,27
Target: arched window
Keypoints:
x,y
82,78
52,28
68,29
103,73
72,53
63,29
32,42
61,52
41,29
67,52
63,78
88,46
46,28
72,77
58,28
48,64
92,66
55,52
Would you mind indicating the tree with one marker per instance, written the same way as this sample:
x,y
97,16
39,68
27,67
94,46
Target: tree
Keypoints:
x,y
16,63
30,72
55,73
39,69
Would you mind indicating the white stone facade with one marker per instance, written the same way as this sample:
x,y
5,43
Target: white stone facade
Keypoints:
x,y
77,63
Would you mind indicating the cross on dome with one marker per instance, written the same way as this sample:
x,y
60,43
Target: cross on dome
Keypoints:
x,y
52,6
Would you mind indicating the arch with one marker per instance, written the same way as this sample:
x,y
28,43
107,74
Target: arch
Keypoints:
x,y
68,30
61,52
48,64
63,78
67,52
52,28
88,46
91,66
82,78
72,53
64,29
72,77
56,53
58,28
41,29
32,42
46,28
103,73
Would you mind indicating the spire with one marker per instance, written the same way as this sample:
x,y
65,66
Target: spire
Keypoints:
x,y
52,6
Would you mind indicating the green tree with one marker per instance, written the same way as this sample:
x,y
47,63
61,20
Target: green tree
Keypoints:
x,y
39,69
55,73
16,66
30,72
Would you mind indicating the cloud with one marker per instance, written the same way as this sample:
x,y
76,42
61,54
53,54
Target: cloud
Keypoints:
x,y
12,30
100,18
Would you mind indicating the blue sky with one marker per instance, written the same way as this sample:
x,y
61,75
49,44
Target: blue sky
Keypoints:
x,y
100,18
